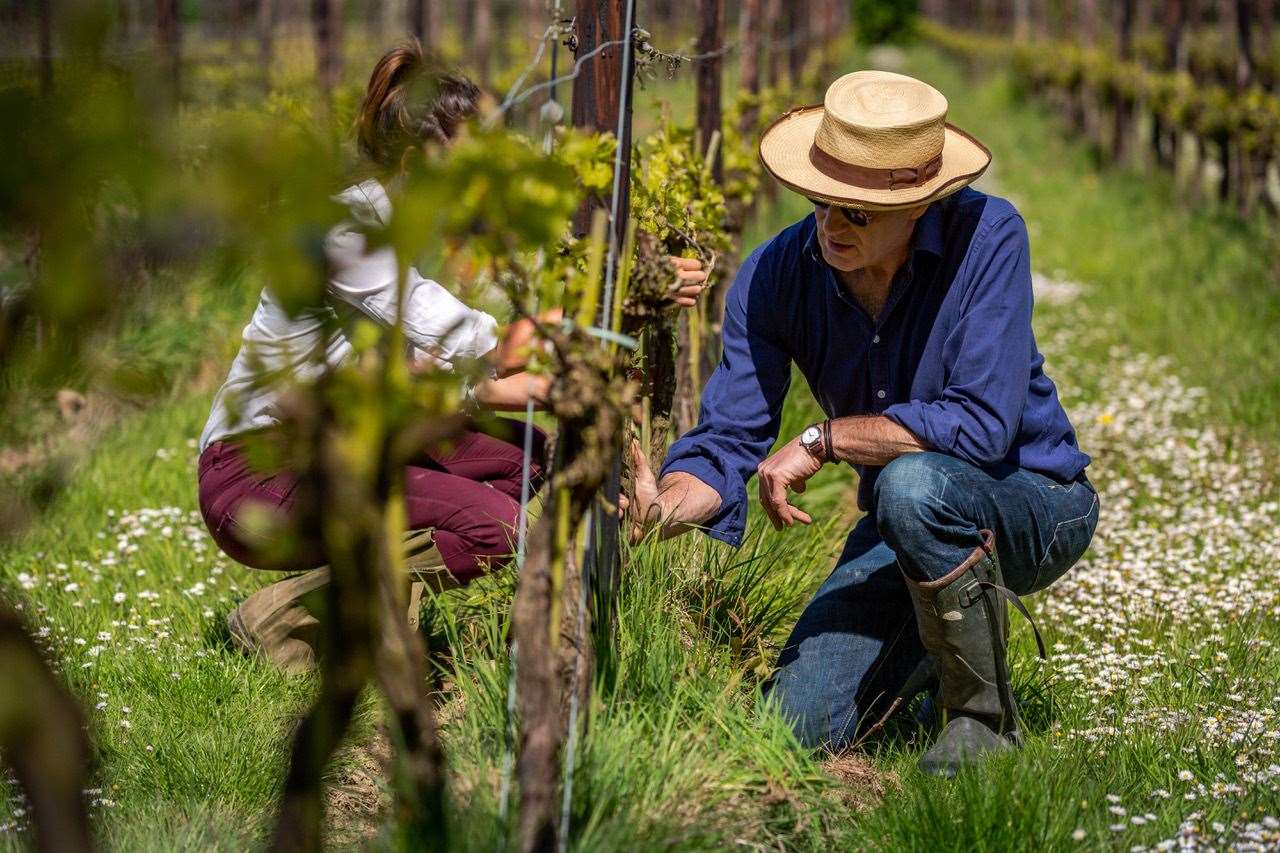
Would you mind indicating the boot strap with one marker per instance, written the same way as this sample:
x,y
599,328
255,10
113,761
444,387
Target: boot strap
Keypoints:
x,y
1012,598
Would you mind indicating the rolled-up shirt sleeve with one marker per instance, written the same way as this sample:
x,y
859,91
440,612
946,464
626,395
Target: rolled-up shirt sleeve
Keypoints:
x,y
435,321
988,356
741,404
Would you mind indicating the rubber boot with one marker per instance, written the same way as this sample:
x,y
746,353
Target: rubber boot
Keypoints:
x,y
279,621
963,625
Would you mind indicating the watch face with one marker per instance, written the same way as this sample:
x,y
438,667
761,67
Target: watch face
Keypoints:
x,y
810,436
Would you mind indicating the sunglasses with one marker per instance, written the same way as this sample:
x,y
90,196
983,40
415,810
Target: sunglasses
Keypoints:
x,y
851,215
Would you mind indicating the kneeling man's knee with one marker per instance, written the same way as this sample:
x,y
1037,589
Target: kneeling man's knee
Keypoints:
x,y
817,715
908,492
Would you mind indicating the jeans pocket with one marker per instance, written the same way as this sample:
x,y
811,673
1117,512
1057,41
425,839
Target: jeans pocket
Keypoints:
x,y
1070,540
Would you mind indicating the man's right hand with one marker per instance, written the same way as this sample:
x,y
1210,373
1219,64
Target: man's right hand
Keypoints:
x,y
644,508
679,502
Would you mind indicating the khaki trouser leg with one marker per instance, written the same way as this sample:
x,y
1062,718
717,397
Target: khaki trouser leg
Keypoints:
x,y
278,621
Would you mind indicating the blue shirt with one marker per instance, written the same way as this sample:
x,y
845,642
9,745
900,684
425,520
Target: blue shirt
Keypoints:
x,y
951,357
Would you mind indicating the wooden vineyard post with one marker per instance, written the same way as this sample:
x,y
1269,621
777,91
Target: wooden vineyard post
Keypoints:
x,y
169,40
751,24
799,39
775,34
480,20
708,68
265,23
598,93
46,46
326,17
586,468
1166,140
422,23
1121,140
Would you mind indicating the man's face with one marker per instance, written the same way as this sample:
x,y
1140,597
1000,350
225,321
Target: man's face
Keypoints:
x,y
848,247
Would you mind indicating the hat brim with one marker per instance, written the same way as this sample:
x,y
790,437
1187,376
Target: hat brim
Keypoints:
x,y
784,150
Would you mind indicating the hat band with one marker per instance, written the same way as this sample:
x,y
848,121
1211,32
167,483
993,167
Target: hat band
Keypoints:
x,y
873,179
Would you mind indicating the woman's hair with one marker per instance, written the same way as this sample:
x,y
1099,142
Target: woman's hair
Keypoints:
x,y
411,101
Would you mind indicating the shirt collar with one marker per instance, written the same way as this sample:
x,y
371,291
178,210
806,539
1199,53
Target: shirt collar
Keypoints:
x,y
927,236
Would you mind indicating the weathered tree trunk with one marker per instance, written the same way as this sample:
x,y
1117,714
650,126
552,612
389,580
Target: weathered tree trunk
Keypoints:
x,y
46,46
481,22
588,444
1090,22
1122,135
403,679
799,16
537,683
751,26
42,738
420,23
235,25
1165,140
536,21
776,32
266,27
1244,10
326,18
169,41
1021,20
707,70
365,634
1242,164
595,95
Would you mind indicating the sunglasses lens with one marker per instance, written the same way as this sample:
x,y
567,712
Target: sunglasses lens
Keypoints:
x,y
856,217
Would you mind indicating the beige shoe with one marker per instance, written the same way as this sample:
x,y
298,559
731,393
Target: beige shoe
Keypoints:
x,y
277,621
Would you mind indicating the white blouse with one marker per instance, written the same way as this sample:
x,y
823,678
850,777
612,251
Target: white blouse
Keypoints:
x,y
276,346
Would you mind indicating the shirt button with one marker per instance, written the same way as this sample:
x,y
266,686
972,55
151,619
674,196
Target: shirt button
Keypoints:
x,y
876,339
880,393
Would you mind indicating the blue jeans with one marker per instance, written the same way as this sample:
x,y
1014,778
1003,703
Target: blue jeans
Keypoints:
x,y
857,642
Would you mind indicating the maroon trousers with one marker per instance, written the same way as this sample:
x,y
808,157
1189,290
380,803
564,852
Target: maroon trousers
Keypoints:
x,y
469,492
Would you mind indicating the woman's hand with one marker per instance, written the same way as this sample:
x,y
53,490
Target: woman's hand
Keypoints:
x,y
513,393
690,281
512,353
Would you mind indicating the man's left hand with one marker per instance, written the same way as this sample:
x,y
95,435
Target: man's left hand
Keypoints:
x,y
789,468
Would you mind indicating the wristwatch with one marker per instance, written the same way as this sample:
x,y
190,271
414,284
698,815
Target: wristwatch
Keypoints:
x,y
813,439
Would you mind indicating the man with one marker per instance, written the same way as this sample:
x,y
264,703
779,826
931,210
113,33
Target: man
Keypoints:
x,y
905,300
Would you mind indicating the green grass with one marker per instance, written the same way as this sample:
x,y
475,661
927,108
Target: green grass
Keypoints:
x,y
1170,624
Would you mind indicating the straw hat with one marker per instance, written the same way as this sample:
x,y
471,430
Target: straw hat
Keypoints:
x,y
879,141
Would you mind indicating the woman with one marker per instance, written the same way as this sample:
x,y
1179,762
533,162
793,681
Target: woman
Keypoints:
x,y
468,494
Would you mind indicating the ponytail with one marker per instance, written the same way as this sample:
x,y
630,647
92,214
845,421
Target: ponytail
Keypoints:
x,y
410,102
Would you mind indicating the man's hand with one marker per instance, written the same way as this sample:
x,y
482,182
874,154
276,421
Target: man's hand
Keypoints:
x,y
644,509
789,468
690,280
679,503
